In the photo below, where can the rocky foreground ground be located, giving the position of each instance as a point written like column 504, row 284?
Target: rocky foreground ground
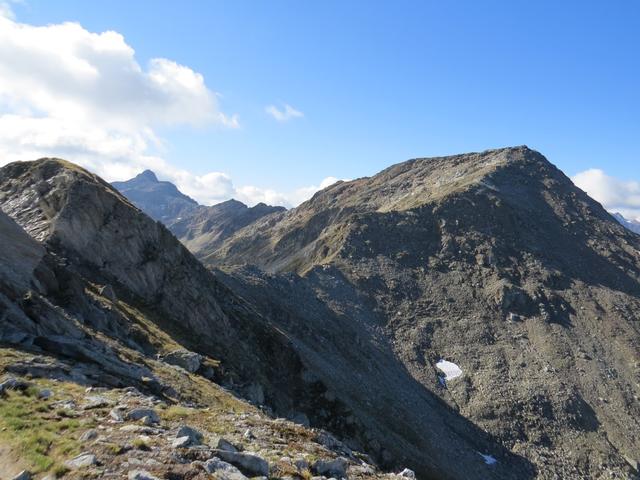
column 54, row 426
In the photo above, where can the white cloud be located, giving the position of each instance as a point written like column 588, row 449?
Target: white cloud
column 82, row 96
column 614, row 194
column 284, row 114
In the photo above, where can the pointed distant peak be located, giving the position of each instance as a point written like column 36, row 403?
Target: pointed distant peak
column 148, row 176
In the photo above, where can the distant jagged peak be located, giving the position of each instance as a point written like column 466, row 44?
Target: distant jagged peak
column 147, row 176
column 632, row 225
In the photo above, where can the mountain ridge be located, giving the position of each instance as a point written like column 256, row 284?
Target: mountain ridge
column 80, row 219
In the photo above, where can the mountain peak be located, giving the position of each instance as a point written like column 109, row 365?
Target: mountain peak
column 148, row 176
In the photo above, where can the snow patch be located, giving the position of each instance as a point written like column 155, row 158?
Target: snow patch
column 450, row 369
column 488, row 459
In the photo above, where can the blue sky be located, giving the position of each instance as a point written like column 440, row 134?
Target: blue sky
column 381, row 82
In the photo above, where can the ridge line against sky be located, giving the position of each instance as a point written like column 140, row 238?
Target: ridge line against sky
column 85, row 95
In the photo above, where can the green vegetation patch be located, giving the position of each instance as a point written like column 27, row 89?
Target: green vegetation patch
column 35, row 433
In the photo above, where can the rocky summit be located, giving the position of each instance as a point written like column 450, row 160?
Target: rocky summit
column 465, row 317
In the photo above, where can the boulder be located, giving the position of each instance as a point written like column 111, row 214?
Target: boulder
column 88, row 436
column 331, row 468
column 190, row 361
column 81, row 461
column 140, row 413
column 223, row 470
column 195, row 437
column 248, row 463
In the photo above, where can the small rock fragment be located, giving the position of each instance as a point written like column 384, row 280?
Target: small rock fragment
column 140, row 413
column 45, row 394
column 81, row 461
column 23, row 475
column 226, row 445
column 88, row 436
column 181, row 442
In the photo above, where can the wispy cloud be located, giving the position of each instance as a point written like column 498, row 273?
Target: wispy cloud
column 614, row 194
column 285, row 114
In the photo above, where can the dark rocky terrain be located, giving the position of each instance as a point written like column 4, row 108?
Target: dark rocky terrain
column 632, row 225
column 201, row 228
column 337, row 314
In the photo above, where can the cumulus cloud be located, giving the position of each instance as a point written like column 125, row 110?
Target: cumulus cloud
column 83, row 96
column 253, row 195
column 284, row 114
column 71, row 93
column 614, row 194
